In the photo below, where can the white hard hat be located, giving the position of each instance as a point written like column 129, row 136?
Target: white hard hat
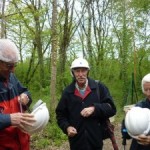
column 79, row 63
column 41, row 115
column 137, row 121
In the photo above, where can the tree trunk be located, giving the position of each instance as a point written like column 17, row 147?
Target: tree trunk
column 54, row 58
column 3, row 31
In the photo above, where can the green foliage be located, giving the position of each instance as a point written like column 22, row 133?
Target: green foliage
column 108, row 72
column 119, row 46
column 51, row 134
column 143, row 5
column 48, row 136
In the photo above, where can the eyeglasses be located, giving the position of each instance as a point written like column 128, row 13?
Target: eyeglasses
column 9, row 65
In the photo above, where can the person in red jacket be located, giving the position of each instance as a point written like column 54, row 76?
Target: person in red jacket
column 80, row 110
column 14, row 101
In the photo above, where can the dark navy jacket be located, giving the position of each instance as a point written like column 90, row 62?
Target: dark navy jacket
column 89, row 129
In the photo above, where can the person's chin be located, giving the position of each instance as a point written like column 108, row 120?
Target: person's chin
column 81, row 80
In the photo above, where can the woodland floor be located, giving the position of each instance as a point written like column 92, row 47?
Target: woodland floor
column 107, row 143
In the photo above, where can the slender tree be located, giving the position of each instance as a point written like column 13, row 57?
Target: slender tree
column 3, row 27
column 54, row 57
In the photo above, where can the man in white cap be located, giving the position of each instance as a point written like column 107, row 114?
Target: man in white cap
column 80, row 110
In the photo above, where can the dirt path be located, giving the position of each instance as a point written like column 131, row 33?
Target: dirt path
column 107, row 143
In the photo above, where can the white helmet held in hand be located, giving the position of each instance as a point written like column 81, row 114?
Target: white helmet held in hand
column 79, row 63
column 137, row 121
column 41, row 115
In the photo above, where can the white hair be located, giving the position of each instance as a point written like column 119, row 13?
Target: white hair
column 145, row 79
column 8, row 51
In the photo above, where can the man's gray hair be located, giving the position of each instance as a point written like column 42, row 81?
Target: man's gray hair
column 145, row 79
column 8, row 51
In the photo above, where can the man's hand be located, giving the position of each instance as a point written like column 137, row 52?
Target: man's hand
column 20, row 120
column 71, row 131
column 23, row 99
column 86, row 112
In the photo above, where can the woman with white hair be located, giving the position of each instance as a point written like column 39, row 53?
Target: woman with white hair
column 146, row 84
column 14, row 100
column 142, row 142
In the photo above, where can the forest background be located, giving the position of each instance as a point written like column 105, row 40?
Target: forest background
column 113, row 35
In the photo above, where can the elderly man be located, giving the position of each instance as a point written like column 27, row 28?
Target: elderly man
column 14, row 100
column 80, row 111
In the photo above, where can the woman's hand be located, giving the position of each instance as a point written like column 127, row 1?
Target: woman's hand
column 143, row 139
